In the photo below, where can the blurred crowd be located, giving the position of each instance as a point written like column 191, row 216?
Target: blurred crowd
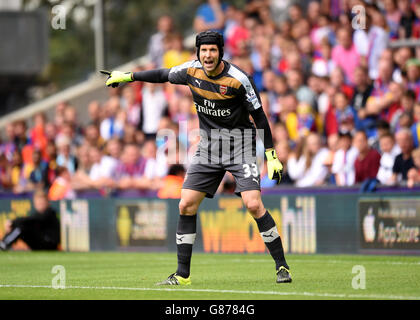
column 342, row 103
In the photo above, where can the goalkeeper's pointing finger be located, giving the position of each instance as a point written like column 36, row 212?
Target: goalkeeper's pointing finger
column 108, row 73
column 116, row 77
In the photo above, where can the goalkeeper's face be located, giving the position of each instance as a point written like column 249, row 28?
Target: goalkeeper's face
column 209, row 57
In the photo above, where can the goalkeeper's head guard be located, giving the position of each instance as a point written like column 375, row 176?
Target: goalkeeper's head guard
column 210, row 37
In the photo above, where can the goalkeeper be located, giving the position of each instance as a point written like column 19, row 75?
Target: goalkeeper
column 224, row 97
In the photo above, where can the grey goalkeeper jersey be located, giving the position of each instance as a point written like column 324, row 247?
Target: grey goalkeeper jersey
column 223, row 105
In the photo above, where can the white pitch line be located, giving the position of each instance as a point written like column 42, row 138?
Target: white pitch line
column 328, row 261
column 292, row 293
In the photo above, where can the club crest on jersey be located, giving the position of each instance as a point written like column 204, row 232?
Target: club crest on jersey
column 223, row 89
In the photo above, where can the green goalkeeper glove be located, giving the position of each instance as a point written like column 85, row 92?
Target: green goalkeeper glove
column 274, row 166
column 116, row 77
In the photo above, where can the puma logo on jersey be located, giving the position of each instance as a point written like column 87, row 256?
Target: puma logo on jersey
column 255, row 180
column 198, row 82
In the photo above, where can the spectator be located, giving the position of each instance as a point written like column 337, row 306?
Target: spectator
column 51, row 152
column 210, row 16
column 59, row 113
column 413, row 76
column 95, row 113
column 401, row 56
column 70, row 119
column 367, row 162
column 239, row 35
column 154, row 106
column 323, row 64
column 172, row 183
column 280, row 133
column 413, row 175
column 416, row 25
column 93, row 137
column 4, row 173
column 385, row 95
column 389, row 152
column 407, row 19
column 288, row 106
column 80, row 180
column 415, row 128
column 156, row 167
column 295, row 82
column 18, row 176
column 337, row 79
column 382, row 127
column 40, row 230
column 131, row 106
column 343, row 161
column 21, row 138
column 38, row 168
column 112, row 126
column 8, row 147
column 301, row 123
column 345, row 114
column 300, row 28
column 406, row 107
column 61, row 187
column 129, row 134
column 332, row 146
column 102, row 168
column 383, row 79
column 345, row 55
column 377, row 42
column 279, row 10
column 37, row 133
column 332, row 8
column 129, row 173
column 391, row 104
column 362, row 90
column 393, row 17
column 155, row 47
column 404, row 161
column 113, row 149
column 64, row 157
column 404, row 121
column 176, row 54
column 307, row 168
column 325, row 97
column 50, row 131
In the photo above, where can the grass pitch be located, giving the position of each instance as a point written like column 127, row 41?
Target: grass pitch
column 112, row 275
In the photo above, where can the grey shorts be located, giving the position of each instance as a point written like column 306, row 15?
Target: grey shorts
column 207, row 177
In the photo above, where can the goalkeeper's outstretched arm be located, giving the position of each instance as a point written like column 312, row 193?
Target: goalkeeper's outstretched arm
column 153, row 76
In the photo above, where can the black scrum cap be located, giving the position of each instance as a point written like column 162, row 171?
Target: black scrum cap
column 210, row 37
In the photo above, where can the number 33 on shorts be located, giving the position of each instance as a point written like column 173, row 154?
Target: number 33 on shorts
column 251, row 170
